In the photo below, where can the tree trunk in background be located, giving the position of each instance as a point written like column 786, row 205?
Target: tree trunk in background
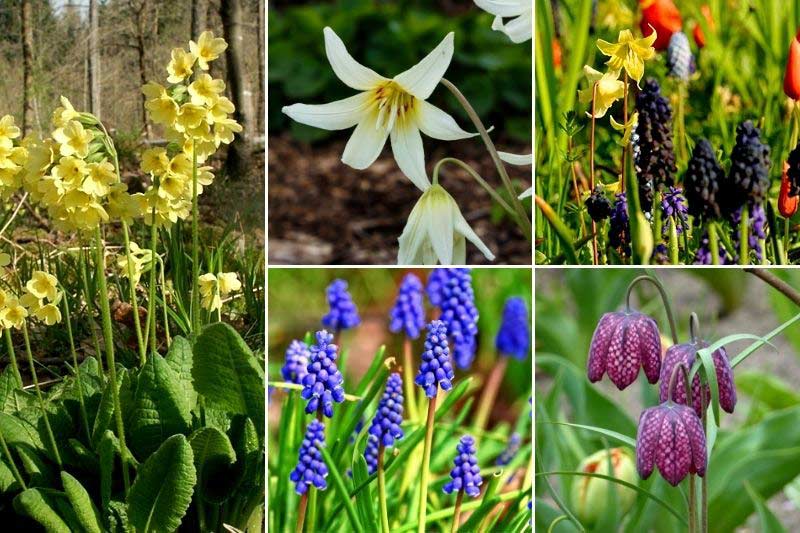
column 94, row 60
column 141, row 16
column 260, row 120
column 199, row 18
column 27, row 67
column 239, row 151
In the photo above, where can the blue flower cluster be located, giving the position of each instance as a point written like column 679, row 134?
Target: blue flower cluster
column 511, row 450
column 408, row 313
column 322, row 386
column 385, row 427
column 451, row 290
column 311, row 469
column 465, row 475
column 435, row 370
column 514, row 336
column 343, row 313
column 294, row 367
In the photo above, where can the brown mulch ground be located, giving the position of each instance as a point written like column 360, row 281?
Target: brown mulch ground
column 323, row 212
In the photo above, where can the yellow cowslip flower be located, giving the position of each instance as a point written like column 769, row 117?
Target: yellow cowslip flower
column 209, row 292
column 228, row 282
column 30, row 302
column 8, row 129
column 141, row 260
column 50, row 190
column 224, row 130
column 43, row 285
column 207, row 48
column 609, row 90
column 173, row 185
column 71, row 171
column 7, row 154
column 626, row 129
column 220, row 109
column 155, row 160
column 100, row 177
column 123, row 206
column 162, row 108
column 50, row 314
column 180, row 164
column 62, row 115
column 13, row 314
column 3, row 298
column 190, row 116
column 73, row 139
column 180, row 66
column 629, row 53
column 204, row 178
column 205, row 90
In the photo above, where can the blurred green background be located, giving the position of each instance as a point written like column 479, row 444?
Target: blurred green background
column 390, row 37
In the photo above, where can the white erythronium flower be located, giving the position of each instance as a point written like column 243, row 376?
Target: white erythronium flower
column 437, row 231
column 519, row 29
column 394, row 108
column 518, row 160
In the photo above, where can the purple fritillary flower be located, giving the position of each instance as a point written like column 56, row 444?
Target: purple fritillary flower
column 408, row 313
column 511, row 450
column 435, row 370
column 294, row 369
column 465, row 475
column 451, row 290
column 686, row 354
column 514, row 336
column 322, row 386
column 623, row 342
column 670, row 437
column 343, row 313
column 385, row 428
column 311, row 469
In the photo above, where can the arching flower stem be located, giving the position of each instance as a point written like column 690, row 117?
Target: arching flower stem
column 664, row 300
column 482, row 182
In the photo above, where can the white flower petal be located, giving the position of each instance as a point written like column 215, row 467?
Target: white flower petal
column 365, row 144
column 505, row 8
column 527, row 194
column 409, row 154
column 459, row 249
column 516, row 159
column 435, row 123
column 421, row 79
column 347, row 69
column 338, row 115
column 413, row 238
column 440, row 226
column 520, row 29
column 463, row 227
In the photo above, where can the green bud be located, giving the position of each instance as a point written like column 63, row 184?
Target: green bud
column 591, row 495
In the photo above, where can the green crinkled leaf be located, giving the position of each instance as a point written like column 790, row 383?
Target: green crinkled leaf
column 17, row 431
column 7, row 481
column 118, row 517
column 81, row 456
column 180, row 358
column 40, row 505
column 162, row 491
column 157, row 408
column 85, row 511
column 227, row 374
column 8, row 384
column 214, row 457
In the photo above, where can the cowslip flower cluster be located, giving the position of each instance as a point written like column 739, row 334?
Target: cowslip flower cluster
column 311, row 469
column 322, row 385
column 385, row 428
column 451, row 290
column 408, row 314
column 466, row 474
column 296, row 362
column 215, row 287
column 39, row 300
column 141, row 261
column 514, row 336
column 13, row 157
column 435, row 370
column 343, row 313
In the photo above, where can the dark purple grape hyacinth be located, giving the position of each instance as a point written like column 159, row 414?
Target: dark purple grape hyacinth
column 619, row 233
column 748, row 179
column 703, row 253
column 655, row 161
column 673, row 204
column 623, row 342
column 295, row 366
column 701, row 182
column 343, row 313
column 686, row 354
column 435, row 370
column 757, row 224
column 322, row 386
column 465, row 475
column 514, row 337
column 451, row 291
column 385, row 427
column 598, row 205
column 408, row 313
column 680, row 61
column 670, row 437
column 511, row 450
column 311, row 469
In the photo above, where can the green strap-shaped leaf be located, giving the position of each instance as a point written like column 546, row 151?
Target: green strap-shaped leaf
column 227, row 373
column 108, row 449
column 162, row 491
column 180, row 359
column 85, row 511
column 213, row 457
column 39, row 506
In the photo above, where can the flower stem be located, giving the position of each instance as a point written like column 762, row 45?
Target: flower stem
column 704, row 481
column 786, row 239
column 408, row 381
column 777, row 283
column 164, row 301
column 382, row 492
column 744, row 237
column 151, row 297
column 68, row 322
column 490, row 392
column 82, row 265
column 713, row 243
column 624, row 121
column 591, row 172
column 12, row 356
column 110, row 363
column 664, row 299
column 426, row 459
column 457, row 512
column 495, row 156
column 134, row 303
column 692, row 505
column 195, row 305
column 11, row 463
column 301, row 512
column 673, row 242
column 477, row 177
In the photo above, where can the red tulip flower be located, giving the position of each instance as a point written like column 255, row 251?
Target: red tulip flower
column 664, row 17
column 699, row 37
column 791, row 80
column 787, row 205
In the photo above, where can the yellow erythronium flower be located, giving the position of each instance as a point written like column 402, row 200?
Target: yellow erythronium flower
column 207, row 48
column 43, row 285
column 73, row 139
column 437, row 231
column 626, row 129
column 386, row 108
column 609, row 90
column 520, row 29
column 180, row 66
column 205, row 90
column 13, row 314
column 629, row 53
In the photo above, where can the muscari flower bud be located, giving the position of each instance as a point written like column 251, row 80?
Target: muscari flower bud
column 343, row 313
column 680, row 60
column 673, row 204
column 511, row 450
column 701, row 182
column 591, row 496
column 623, row 342
column 748, row 178
column 385, row 427
column 619, row 232
column 294, row 369
column 465, row 475
column 435, row 370
column 311, row 468
column 655, row 163
column 670, row 437
column 456, row 299
column 685, row 354
column 514, row 337
column 322, row 385
column 408, row 313
column 598, row 205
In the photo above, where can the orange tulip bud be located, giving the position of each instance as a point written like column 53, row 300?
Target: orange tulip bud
column 664, row 17
column 556, row 53
column 699, row 38
column 787, row 205
column 791, row 80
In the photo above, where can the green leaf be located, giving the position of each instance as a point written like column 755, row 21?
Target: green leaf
column 85, row 511
column 364, row 499
column 105, row 412
column 613, row 434
column 341, row 490
column 108, row 448
column 180, row 359
column 227, row 373
column 158, row 408
column 40, row 505
column 769, row 522
column 162, row 491
column 213, row 457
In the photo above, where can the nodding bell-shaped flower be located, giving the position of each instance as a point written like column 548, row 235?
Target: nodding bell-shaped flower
column 671, row 438
column 791, row 79
column 685, row 354
column 519, row 29
column 395, row 108
column 436, row 231
column 623, row 342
